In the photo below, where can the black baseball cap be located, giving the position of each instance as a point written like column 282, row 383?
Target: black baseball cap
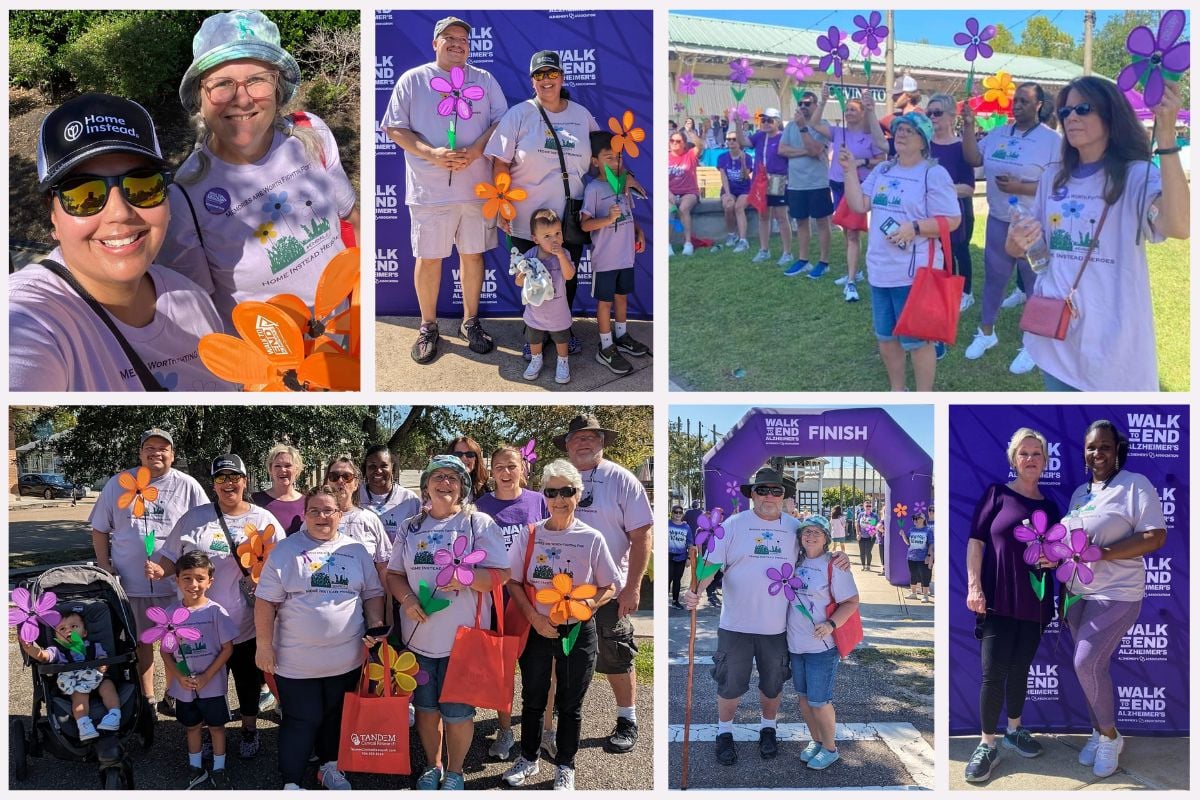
column 543, row 59
column 91, row 125
column 227, row 463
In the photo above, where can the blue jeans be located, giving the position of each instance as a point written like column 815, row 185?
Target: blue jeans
column 1053, row 384
column 425, row 696
column 886, row 305
column 813, row 675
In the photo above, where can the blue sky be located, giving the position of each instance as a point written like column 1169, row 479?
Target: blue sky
column 938, row 27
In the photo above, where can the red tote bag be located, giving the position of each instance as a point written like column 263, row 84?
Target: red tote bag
column 847, row 635
column 935, row 301
column 478, row 673
column 516, row 624
column 757, row 199
column 374, row 736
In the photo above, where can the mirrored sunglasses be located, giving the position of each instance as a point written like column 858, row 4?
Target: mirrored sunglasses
column 86, row 195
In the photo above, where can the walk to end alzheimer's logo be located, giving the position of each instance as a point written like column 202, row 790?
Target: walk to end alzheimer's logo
column 1042, row 683
column 483, row 46
column 1154, row 434
column 387, row 202
column 488, row 293
column 1141, row 703
column 1145, row 641
column 387, row 266
column 1158, row 576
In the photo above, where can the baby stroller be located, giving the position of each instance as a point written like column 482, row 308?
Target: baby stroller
column 99, row 599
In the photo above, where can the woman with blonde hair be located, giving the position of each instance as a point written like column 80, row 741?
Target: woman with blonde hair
column 285, row 468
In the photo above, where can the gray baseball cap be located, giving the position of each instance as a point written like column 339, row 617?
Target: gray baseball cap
column 153, row 432
column 448, row 22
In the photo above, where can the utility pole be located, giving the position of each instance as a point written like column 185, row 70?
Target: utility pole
column 889, row 61
column 1089, row 23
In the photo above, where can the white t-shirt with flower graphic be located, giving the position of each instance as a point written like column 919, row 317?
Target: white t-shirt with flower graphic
column 905, row 194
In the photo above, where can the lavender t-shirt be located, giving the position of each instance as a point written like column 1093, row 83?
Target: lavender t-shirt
column 216, row 629
column 750, row 547
column 514, row 516
column 619, row 505
column 905, row 194
column 367, row 528
column 776, row 164
column 392, row 508
column 1004, row 574
column 612, row 245
column 859, row 143
column 579, row 551
column 815, row 595
column 553, row 314
column 289, row 512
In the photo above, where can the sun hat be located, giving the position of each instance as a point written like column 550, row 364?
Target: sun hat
column 232, row 35
column 919, row 122
column 585, row 422
column 764, row 476
column 451, row 463
column 91, row 125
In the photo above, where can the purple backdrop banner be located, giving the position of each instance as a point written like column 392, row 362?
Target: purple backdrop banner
column 868, row 433
column 1150, row 667
column 607, row 59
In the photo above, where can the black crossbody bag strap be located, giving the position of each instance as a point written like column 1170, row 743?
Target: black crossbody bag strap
column 149, row 382
column 229, row 538
column 562, row 162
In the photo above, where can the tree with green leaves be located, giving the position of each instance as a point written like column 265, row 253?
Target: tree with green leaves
column 841, row 495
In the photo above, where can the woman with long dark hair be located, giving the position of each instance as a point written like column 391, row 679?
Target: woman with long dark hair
column 468, row 451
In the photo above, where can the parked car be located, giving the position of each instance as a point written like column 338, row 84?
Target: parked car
column 49, row 486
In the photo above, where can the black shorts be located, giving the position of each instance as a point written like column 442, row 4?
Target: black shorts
column 805, row 203
column 732, row 663
column 610, row 283
column 210, row 711
column 776, row 200
column 616, row 646
column 535, row 336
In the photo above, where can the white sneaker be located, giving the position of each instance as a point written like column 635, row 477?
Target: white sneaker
column 850, row 293
column 1106, row 755
column 688, row 249
column 564, row 779
column 731, row 239
column 562, row 371
column 503, row 744
column 761, row 256
column 968, row 300
column 842, row 281
column 785, row 260
column 741, row 246
column 521, row 771
column 1087, row 756
column 293, row 787
column 333, row 778
column 412, row 715
column 670, row 249
column 549, row 745
column 1013, row 300
column 981, row 344
column 1022, row 363
column 534, row 369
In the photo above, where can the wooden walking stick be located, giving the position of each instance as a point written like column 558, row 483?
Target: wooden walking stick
column 687, row 708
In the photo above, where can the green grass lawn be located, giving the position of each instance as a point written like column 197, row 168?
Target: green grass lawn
column 737, row 326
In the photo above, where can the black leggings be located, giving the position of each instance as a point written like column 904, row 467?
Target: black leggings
column 574, row 673
column 962, row 250
column 865, row 548
column 675, row 570
column 247, row 677
column 1006, row 650
column 313, row 719
column 576, row 251
column 919, row 573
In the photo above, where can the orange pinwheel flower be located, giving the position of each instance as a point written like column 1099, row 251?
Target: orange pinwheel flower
column 336, row 308
column 499, row 197
column 900, row 510
column 625, row 135
column 564, row 599
column 137, row 490
column 253, row 552
column 1000, row 89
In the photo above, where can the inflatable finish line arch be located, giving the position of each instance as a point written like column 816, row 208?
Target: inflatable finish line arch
column 868, row 433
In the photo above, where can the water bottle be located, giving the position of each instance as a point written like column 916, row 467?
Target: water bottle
column 1038, row 255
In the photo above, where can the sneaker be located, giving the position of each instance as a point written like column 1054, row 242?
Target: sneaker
column 912, row 596
column 823, row 759
column 424, row 350
column 1106, row 755
column 980, row 344
column 688, row 249
column 807, row 753
column 503, row 744
column 768, row 746
column 166, row 706
column 609, row 357
column 1013, row 300
column 842, row 281
column 1087, row 756
column 731, row 239
column 926, row 598
column 430, row 780
column 850, row 293
column 521, row 771
column 714, row 601
column 623, row 737
column 983, row 760
column 562, row 371
column 741, row 246
column 87, row 729
column 628, row 344
column 549, row 744
column 726, row 751
column 820, row 269
column 250, row 745
column 477, row 338
column 564, row 779
column 197, row 778
column 939, row 349
column 762, row 255
column 534, row 369
column 266, row 701
column 111, row 721
column 798, row 268
column 526, row 353
column 968, row 300
column 1022, row 363
column 220, row 779
column 332, row 778
column 1022, row 741
column 293, row 787
column 574, row 346
column 676, row 604
column 670, row 249
column 784, row 260
column 454, row 782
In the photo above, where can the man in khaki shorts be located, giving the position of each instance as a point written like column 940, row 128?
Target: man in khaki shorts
column 440, row 179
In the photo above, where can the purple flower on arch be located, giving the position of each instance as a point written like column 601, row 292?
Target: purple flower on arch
column 1155, row 57
column 709, row 529
column 1040, row 540
column 1079, row 553
column 870, row 33
column 784, row 579
column 835, row 50
column 975, row 40
column 799, row 68
column 920, row 508
column 688, row 84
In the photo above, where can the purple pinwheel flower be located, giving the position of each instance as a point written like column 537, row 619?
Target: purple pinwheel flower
column 679, row 107
column 975, row 40
column 1078, row 552
column 740, row 70
column 784, row 579
column 870, row 33
column 741, row 112
column 528, row 453
column 168, row 630
column 799, row 68
column 28, row 612
column 1154, row 55
column 456, row 95
column 457, row 564
column 835, row 50
column 709, row 530
column 919, row 508
column 1042, row 542
column 688, row 84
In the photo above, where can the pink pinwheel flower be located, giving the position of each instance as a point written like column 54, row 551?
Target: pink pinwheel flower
column 975, row 40
column 457, row 564
column 835, row 51
column 1152, row 55
column 799, row 68
column 527, row 452
column 168, row 630
column 688, row 84
column 1078, row 552
column 740, row 70
column 1040, row 541
column 28, row 611
column 709, row 529
column 870, row 33
column 741, row 112
column 733, row 488
column 456, row 95
column 784, row 579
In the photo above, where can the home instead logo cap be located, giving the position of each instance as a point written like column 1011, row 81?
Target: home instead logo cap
column 90, row 125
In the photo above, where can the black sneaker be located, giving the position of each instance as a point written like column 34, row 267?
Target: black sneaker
column 767, row 746
column 676, row 604
column 1023, row 742
column 477, row 338
column 574, row 346
column 220, row 779
column 983, row 760
column 250, row 744
column 627, row 344
column 166, row 706
column 609, row 357
column 623, row 737
column 197, row 778
column 424, row 349
column 726, row 752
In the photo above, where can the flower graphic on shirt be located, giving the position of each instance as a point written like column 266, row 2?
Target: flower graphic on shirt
column 554, row 553
column 265, row 233
column 435, row 539
column 1055, row 219
column 768, row 536
column 541, row 558
column 1072, row 208
column 422, row 546
column 277, row 206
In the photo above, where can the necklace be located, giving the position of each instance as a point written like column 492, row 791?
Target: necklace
column 1012, row 132
column 378, row 505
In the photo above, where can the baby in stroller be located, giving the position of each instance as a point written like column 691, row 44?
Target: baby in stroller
column 72, row 645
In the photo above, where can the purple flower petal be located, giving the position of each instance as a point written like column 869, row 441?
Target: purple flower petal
column 1177, row 59
column 876, row 18
column 45, row 603
column 444, row 576
column 1057, row 533
column 188, row 632
column 989, row 32
column 986, row 50
column 1154, row 88
column 973, row 26
column 457, row 76
column 460, row 546
column 961, row 39
column 440, row 84
column 1065, row 571
column 463, row 109
column 475, row 92
column 1032, row 553
column 1170, row 28
column 775, row 588
column 474, row 557
column 1091, row 554
column 465, row 576
column 1056, row 551
column 1140, row 41
column 157, row 615
column 1084, row 573
column 1128, row 77
column 169, row 643
column 789, row 592
column 16, row 616
column 22, row 600
column 180, row 616
column 446, row 106
column 1024, row 533
column 774, row 574
column 29, row 631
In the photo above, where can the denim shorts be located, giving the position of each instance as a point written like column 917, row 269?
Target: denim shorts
column 813, row 675
column 886, row 305
column 425, row 696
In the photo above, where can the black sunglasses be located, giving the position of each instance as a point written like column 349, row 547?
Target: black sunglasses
column 935, row 113
column 1083, row 109
column 566, row 491
column 86, row 195
column 774, row 491
column 464, row 454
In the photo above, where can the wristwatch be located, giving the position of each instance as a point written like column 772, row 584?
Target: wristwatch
column 832, row 624
column 916, row 228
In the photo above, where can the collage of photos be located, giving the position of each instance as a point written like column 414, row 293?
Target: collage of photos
column 896, row 300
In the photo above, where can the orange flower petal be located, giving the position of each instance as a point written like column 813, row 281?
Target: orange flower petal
column 631, row 148
column 508, row 210
column 139, row 506
column 485, row 191
column 126, row 480
column 559, row 613
column 627, row 120
column 337, row 281
column 271, row 331
column 232, row 359
column 584, row 591
column 503, row 181
column 579, row 610
column 333, row 371
column 563, row 583
column 491, row 207
column 548, row 596
column 150, row 493
column 614, row 126
column 516, row 194
column 637, row 134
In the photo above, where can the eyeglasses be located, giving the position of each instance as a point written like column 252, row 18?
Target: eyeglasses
column 85, row 195
column 812, row 532
column 731, row 139
column 443, row 478
column 774, row 491
column 323, row 513
column 547, row 75
column 340, row 477
column 464, row 454
column 934, row 113
column 259, row 87
column 1083, row 109
column 676, row 139
column 226, row 477
column 566, row 491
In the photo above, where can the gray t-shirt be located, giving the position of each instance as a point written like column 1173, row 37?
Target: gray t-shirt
column 750, row 547
column 1026, row 156
column 579, row 551
column 815, row 595
column 806, row 172
column 612, row 245
column 366, row 527
column 619, row 505
column 392, row 508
